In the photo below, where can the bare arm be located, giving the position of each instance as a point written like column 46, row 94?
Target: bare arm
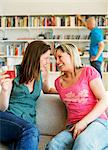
column 45, row 76
column 6, row 87
column 100, row 50
column 45, row 87
column 97, row 88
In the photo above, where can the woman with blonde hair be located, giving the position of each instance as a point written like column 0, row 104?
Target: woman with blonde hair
column 79, row 88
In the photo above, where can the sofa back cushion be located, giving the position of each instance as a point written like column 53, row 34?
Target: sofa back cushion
column 51, row 114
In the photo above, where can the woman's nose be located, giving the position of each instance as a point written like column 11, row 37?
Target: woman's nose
column 57, row 61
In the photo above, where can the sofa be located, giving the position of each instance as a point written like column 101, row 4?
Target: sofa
column 51, row 118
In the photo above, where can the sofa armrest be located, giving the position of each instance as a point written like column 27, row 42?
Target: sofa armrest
column 51, row 114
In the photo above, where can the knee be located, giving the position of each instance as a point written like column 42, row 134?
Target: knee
column 61, row 141
column 34, row 130
column 80, row 142
column 31, row 130
column 52, row 145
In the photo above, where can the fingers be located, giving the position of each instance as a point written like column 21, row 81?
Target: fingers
column 4, row 75
column 4, row 80
column 71, row 129
column 76, row 133
column 6, row 84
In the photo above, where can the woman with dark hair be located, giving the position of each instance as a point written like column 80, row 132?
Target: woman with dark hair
column 18, row 98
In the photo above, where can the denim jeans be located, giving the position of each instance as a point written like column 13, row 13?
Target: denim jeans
column 97, row 66
column 18, row 133
column 94, row 137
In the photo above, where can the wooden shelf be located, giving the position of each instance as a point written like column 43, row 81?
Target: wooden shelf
column 56, row 29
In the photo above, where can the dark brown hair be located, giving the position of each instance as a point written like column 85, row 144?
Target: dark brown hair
column 30, row 66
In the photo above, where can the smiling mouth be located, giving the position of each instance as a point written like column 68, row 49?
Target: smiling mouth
column 60, row 65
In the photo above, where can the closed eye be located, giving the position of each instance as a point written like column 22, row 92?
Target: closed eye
column 55, row 58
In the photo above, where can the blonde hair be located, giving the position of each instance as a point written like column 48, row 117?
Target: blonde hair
column 72, row 50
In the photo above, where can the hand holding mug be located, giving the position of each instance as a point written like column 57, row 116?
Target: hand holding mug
column 10, row 70
column 11, row 73
column 7, row 74
column 5, row 81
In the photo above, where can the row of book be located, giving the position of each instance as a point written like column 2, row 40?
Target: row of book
column 51, row 35
column 15, row 49
column 18, row 49
column 52, row 66
column 39, row 21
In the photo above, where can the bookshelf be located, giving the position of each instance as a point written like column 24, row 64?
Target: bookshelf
column 17, row 31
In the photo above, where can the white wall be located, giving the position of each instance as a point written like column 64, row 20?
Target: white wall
column 33, row 7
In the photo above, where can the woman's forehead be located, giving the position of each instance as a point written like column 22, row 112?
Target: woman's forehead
column 47, row 53
column 58, row 51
